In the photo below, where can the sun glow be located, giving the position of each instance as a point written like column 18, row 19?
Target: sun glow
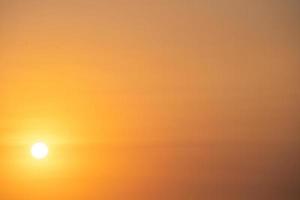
column 39, row 150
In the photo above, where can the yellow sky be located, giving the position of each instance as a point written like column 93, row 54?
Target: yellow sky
column 147, row 99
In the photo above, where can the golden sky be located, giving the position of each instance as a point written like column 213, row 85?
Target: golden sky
column 150, row 99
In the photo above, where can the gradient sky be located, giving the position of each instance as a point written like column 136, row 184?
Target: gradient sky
column 150, row 99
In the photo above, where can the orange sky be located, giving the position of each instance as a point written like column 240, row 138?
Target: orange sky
column 150, row 99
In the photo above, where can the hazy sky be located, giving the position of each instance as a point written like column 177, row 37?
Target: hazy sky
column 150, row 99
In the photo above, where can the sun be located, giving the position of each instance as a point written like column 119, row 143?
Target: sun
column 39, row 150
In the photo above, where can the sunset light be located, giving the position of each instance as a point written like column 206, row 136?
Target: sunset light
column 39, row 150
column 149, row 99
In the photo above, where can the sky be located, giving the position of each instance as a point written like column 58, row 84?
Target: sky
column 150, row 99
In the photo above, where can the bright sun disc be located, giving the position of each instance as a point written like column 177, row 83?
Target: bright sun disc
column 39, row 150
